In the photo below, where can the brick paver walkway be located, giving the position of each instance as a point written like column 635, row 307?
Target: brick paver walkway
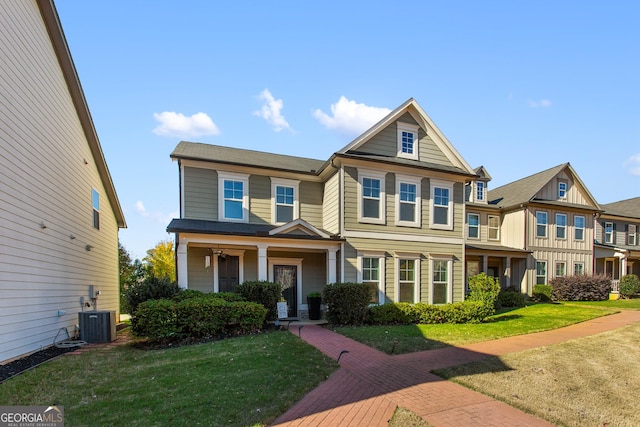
column 370, row 384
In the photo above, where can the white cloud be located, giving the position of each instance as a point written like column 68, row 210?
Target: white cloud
column 633, row 164
column 349, row 117
column 271, row 111
column 178, row 125
column 543, row 103
column 158, row 217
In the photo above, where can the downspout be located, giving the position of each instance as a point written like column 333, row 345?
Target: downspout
column 526, row 233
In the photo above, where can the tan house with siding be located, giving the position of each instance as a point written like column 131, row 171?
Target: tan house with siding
column 617, row 250
column 533, row 229
column 59, row 212
column 387, row 209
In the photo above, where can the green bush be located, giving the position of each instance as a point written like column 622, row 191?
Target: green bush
column 464, row 312
column 542, row 293
column 629, row 285
column 151, row 288
column 485, row 289
column 156, row 319
column 347, row 303
column 245, row 317
column 510, row 297
column 399, row 313
column 184, row 294
column 581, row 288
column 262, row 292
column 202, row 316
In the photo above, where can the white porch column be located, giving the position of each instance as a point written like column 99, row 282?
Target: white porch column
column 623, row 266
column 183, row 273
column 507, row 272
column 263, row 272
column 485, row 264
column 332, row 267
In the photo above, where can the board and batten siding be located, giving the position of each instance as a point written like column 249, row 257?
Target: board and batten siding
column 574, row 194
column 200, row 193
column 331, row 205
column 47, row 176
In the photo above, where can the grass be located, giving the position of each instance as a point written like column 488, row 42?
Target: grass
column 525, row 320
column 587, row 381
column 237, row 382
column 626, row 304
column 405, row 418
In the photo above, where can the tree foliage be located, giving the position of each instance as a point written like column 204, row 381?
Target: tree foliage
column 161, row 261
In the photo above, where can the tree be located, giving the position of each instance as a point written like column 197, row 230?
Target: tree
column 161, row 261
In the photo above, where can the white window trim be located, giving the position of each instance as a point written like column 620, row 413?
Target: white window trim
column 95, row 210
column 546, row 272
column 222, row 176
column 584, row 223
column 416, row 282
column 489, row 227
column 566, row 190
column 565, row 226
column 604, row 232
column 484, row 191
column 565, row 268
column 368, row 173
column 576, row 264
column 546, row 225
column 407, row 127
column 441, row 184
column 381, row 273
column 281, row 182
column 469, row 214
column 408, row 179
column 634, row 241
column 449, row 261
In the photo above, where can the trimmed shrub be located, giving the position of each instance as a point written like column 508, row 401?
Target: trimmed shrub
column 347, row 303
column 510, row 297
column 464, row 312
column 245, row 317
column 629, row 285
column 184, row 294
column 485, row 289
column 202, row 316
column 399, row 313
column 581, row 288
column 262, row 292
column 156, row 319
column 542, row 293
column 151, row 288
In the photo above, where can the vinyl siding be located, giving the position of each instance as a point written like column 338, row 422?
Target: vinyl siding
column 331, row 205
column 200, row 193
column 44, row 179
column 259, row 199
column 200, row 277
column 311, row 202
column 551, row 242
column 574, row 192
column 512, row 229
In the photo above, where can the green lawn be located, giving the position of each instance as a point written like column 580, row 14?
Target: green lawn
column 236, row 382
column 626, row 304
column 533, row 318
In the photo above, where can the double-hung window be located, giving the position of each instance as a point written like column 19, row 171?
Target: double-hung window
column 578, row 227
column 371, row 272
column 541, row 224
column 541, row 272
column 95, row 203
column 284, row 196
column 408, row 140
column 494, row 227
column 233, row 197
column 632, row 239
column 561, row 269
column 578, row 268
column 408, row 203
column 562, row 190
column 608, row 232
column 480, row 191
column 441, row 212
column 561, row 226
column 408, row 273
column 371, row 206
column 440, row 280
column 473, row 226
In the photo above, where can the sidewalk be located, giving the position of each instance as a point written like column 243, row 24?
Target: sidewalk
column 370, row 384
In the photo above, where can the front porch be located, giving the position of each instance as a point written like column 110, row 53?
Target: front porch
column 616, row 262
column 507, row 265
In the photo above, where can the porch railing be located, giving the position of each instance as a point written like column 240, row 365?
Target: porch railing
column 615, row 286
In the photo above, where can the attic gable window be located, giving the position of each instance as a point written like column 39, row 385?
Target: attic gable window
column 480, row 191
column 233, row 197
column 562, row 190
column 284, row 200
column 407, row 140
column 371, row 195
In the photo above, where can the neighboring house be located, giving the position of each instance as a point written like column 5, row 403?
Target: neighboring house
column 387, row 209
column 59, row 213
column 617, row 250
column 531, row 230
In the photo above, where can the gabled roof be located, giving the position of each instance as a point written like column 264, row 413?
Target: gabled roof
column 482, row 173
column 412, row 107
column 299, row 225
column 59, row 43
column 525, row 190
column 238, row 156
column 629, row 208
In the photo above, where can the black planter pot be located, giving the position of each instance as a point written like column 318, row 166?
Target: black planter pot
column 314, row 307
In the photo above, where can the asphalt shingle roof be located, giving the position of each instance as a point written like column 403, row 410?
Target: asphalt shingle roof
column 522, row 190
column 628, row 208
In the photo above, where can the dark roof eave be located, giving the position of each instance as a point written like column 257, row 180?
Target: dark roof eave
column 199, row 159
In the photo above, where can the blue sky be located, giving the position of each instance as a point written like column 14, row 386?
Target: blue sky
column 517, row 87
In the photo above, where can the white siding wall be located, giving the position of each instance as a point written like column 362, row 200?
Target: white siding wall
column 44, row 179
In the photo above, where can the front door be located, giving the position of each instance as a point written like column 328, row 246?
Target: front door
column 287, row 277
column 228, row 273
